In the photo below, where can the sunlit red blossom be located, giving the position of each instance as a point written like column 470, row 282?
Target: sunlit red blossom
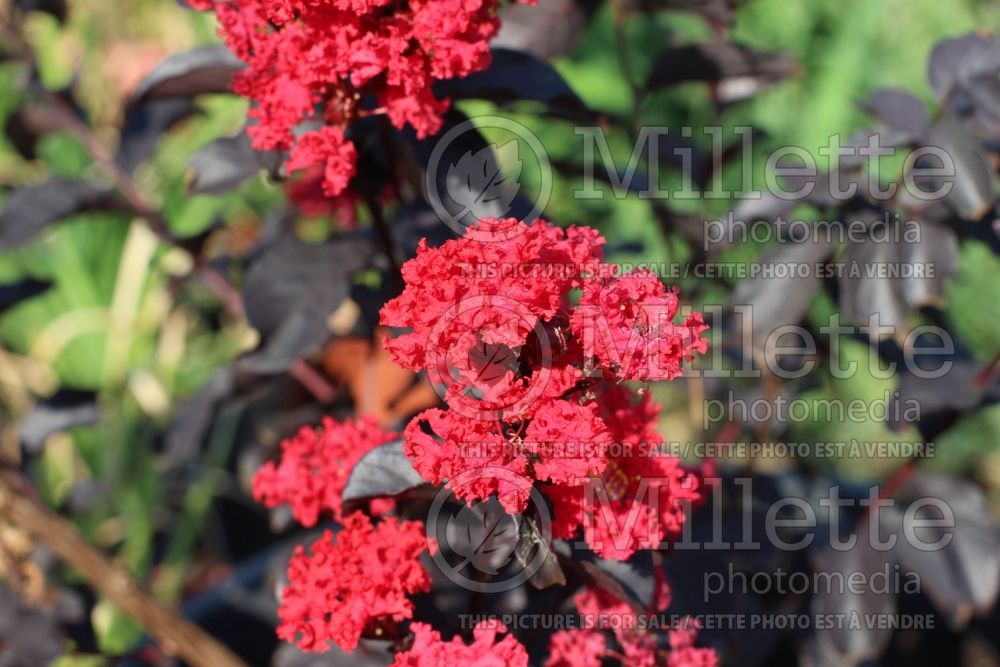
column 471, row 455
column 683, row 652
column 602, row 611
column 640, row 499
column 567, row 442
column 315, row 465
column 316, row 60
column 429, row 650
column 576, row 648
column 468, row 287
column 329, row 148
column 626, row 322
column 495, row 323
column 564, row 443
column 637, row 503
column 341, row 587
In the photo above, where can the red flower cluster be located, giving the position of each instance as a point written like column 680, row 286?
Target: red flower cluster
column 639, row 500
column 320, row 61
column 533, row 396
column 342, row 588
column 586, row 647
column 626, row 322
column 314, row 468
column 576, row 648
column 429, row 650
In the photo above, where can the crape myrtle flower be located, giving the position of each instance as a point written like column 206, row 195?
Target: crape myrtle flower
column 326, row 63
column 626, row 323
column 601, row 611
column 576, row 648
column 534, row 378
column 429, row 650
column 639, row 499
column 343, row 586
column 315, row 466
column 532, row 393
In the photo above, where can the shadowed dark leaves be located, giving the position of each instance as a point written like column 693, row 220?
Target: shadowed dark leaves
column 963, row 73
column 900, row 110
column 28, row 211
column 970, row 189
column 958, row 562
column 57, row 8
column 190, row 424
column 784, row 297
column 225, row 164
column 207, row 69
column 835, row 646
column 532, row 548
column 384, row 471
column 12, row 294
column 515, row 76
column 894, row 278
column 946, row 386
column 290, row 292
column 484, row 535
column 145, row 124
column 597, row 575
column 64, row 410
column 739, row 71
column 547, row 29
column 478, row 185
column 454, row 186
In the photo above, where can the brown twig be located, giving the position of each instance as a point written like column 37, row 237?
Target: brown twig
column 175, row 635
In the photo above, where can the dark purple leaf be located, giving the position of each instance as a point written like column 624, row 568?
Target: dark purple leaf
column 901, row 111
column 290, row 292
column 532, row 545
column 484, row 535
column 971, row 195
column 12, row 294
column 223, row 165
column 783, row 298
column 964, row 73
column 384, row 471
column 64, row 410
column 192, row 421
column 936, row 252
column 739, row 70
column 547, row 29
column 28, row 211
column 206, row 69
column 863, row 293
column 56, row 8
column 145, row 124
column 962, row 578
column 833, row 646
column 942, row 400
column 515, row 76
